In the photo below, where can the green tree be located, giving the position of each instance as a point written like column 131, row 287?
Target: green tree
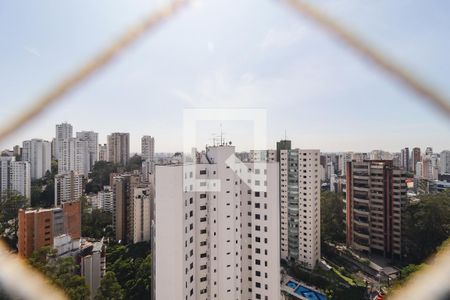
column 332, row 217
column 100, row 176
column 132, row 271
column 95, row 224
column 61, row 272
column 9, row 209
column 43, row 189
column 427, row 225
column 110, row 288
column 134, row 163
column 139, row 286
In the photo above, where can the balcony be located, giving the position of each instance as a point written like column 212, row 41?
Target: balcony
column 361, row 234
column 360, row 222
column 360, row 245
column 361, row 200
column 361, row 211
column 361, row 187
column 360, row 176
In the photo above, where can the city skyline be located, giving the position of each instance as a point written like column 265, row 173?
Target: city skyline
column 279, row 62
column 213, row 136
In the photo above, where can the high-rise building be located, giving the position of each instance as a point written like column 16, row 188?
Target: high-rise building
column 15, row 177
column 415, row 158
column 142, row 214
column 405, row 159
column 428, row 151
column 92, row 260
column 74, row 156
column 123, row 187
column 103, row 152
column 39, row 227
column 68, row 187
column 343, row 159
column 397, row 159
column 53, row 143
column 147, row 169
column 148, row 148
column 63, row 131
column 72, row 218
column 445, row 162
column 119, row 148
column 380, row 155
column 300, row 206
column 375, row 201
column 419, row 170
column 38, row 153
column 17, row 151
column 92, row 139
column 216, row 232
column 104, row 199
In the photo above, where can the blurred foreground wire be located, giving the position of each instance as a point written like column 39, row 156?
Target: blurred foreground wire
column 87, row 70
column 21, row 281
column 431, row 282
column 356, row 43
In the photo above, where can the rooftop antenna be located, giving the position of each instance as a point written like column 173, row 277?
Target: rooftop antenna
column 214, row 138
column 221, row 135
column 285, row 135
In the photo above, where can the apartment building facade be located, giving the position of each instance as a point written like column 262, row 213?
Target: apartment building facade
column 74, row 156
column 39, row 227
column 300, row 206
column 142, row 198
column 63, row 131
column 125, row 187
column 15, row 177
column 91, row 138
column 39, row 154
column 119, row 148
column 148, row 148
column 68, row 187
column 216, row 229
column 375, row 201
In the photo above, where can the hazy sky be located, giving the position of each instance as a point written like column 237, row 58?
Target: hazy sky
column 229, row 54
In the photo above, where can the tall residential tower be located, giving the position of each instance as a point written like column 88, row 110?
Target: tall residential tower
column 216, row 233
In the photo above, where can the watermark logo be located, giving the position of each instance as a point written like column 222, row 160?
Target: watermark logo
column 202, row 167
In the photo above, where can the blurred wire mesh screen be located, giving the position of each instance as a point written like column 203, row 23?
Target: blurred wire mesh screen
column 431, row 282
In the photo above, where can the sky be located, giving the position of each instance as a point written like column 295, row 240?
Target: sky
column 222, row 54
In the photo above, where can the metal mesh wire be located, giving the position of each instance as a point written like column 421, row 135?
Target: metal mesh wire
column 430, row 283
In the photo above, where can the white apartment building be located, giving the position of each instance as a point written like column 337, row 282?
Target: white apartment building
column 216, row 229
column 74, row 156
column 65, row 246
column 63, row 131
column 91, row 138
column 445, row 162
column 92, row 259
column 15, row 177
column 148, row 148
column 104, row 199
column 38, row 153
column 300, row 206
column 344, row 157
column 68, row 187
column 419, row 170
column 103, row 152
column 147, row 169
column 142, row 214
